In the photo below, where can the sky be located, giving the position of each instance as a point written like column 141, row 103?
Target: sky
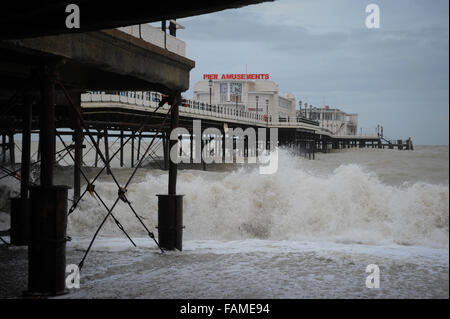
column 322, row 52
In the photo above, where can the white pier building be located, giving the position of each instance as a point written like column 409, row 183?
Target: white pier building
column 260, row 96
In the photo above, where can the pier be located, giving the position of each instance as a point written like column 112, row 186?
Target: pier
column 48, row 81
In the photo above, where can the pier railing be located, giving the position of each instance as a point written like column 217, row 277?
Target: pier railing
column 146, row 100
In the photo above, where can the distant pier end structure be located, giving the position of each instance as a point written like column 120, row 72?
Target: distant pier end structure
column 44, row 68
column 332, row 119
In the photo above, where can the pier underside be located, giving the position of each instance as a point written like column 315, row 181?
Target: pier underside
column 99, row 60
column 41, row 81
column 22, row 19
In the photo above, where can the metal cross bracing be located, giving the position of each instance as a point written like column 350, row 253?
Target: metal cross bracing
column 94, row 193
column 121, row 194
column 15, row 173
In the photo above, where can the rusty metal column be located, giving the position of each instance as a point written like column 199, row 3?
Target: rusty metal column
column 246, row 147
column 39, row 150
column 47, row 126
column 4, row 147
column 191, row 146
column 48, row 205
column 11, row 147
column 180, row 140
column 132, row 148
column 203, row 146
column 400, row 144
column 78, row 139
column 26, row 148
column 20, row 208
column 121, row 148
column 170, row 207
column 172, row 166
column 96, row 151
column 166, row 151
column 139, row 146
column 223, row 145
column 108, row 166
column 47, row 248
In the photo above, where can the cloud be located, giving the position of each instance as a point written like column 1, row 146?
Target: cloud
column 321, row 50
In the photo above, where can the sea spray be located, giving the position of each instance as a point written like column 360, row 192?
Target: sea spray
column 349, row 205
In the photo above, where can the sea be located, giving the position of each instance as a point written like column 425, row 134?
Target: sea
column 313, row 229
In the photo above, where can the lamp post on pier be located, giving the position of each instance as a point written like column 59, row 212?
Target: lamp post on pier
column 300, row 108
column 257, row 99
column 210, row 83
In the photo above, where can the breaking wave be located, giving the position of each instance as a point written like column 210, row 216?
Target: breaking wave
column 350, row 205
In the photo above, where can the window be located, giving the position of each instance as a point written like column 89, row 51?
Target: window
column 283, row 103
column 155, row 97
column 224, row 92
column 236, row 92
column 231, row 92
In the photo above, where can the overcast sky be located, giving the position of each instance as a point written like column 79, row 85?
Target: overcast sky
column 322, row 52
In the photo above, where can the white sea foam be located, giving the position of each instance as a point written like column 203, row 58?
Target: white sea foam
column 348, row 205
column 304, row 200
column 308, row 231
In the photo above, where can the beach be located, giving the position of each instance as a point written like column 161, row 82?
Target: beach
column 307, row 231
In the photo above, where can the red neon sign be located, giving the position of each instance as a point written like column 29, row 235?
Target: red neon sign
column 236, row 76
